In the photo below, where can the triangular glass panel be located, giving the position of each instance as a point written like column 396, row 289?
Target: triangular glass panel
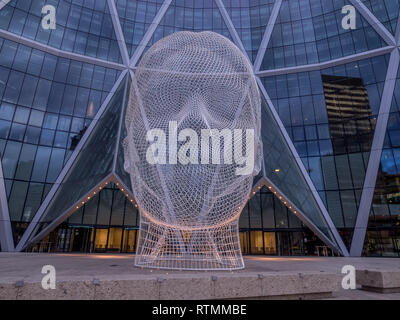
column 83, row 27
column 310, row 31
column 136, row 16
column 94, row 162
column 387, row 12
column 119, row 170
column 283, row 171
column 196, row 16
column 281, row 216
column 250, row 20
column 330, row 116
column 266, row 212
column 383, row 233
column 109, row 207
column 120, row 159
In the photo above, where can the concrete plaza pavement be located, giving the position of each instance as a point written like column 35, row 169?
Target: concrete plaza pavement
column 27, row 267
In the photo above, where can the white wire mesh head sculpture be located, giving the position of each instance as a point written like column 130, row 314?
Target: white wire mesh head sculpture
column 194, row 111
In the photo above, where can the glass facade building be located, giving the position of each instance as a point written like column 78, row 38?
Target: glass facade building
column 330, row 182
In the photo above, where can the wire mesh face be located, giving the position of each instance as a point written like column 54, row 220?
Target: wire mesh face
column 195, row 98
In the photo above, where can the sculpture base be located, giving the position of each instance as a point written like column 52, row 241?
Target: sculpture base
column 163, row 247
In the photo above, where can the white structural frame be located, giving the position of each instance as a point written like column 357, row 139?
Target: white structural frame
column 375, row 157
column 128, row 66
column 374, row 22
column 3, row 3
column 374, row 162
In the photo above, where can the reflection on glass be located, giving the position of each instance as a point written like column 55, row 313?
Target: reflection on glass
column 244, row 242
column 350, row 117
column 270, row 243
column 114, row 239
column 256, row 242
column 100, row 244
column 129, row 242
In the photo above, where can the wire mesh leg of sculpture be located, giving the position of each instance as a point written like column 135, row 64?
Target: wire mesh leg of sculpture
column 215, row 248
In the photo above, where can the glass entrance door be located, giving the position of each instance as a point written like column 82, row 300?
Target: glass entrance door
column 129, row 241
column 81, row 239
column 284, row 243
column 114, row 240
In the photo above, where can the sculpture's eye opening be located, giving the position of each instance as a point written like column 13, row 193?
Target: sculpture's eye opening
column 192, row 150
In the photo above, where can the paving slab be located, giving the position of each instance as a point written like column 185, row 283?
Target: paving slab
column 114, row 276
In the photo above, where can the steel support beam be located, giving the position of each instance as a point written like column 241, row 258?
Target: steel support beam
column 6, row 236
column 3, row 3
column 231, row 28
column 374, row 162
column 327, row 64
column 293, row 209
column 149, row 33
column 120, row 125
column 374, row 22
column 267, row 35
column 118, row 32
column 59, row 53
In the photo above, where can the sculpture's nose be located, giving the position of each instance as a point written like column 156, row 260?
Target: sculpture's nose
column 195, row 115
